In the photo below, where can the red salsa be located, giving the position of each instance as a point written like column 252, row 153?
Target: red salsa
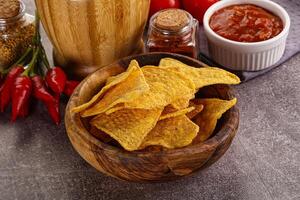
column 245, row 23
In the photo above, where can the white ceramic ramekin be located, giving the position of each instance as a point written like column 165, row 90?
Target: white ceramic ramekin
column 247, row 56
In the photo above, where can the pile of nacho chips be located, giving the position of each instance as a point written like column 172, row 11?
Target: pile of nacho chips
column 156, row 105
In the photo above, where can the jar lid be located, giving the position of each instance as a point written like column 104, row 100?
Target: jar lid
column 172, row 19
column 9, row 8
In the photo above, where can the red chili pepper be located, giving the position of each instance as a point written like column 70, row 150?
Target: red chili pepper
column 8, row 85
column 1, row 79
column 52, row 103
column 70, row 87
column 25, row 109
column 20, row 96
column 56, row 80
column 1, row 84
column 40, row 90
column 53, row 110
column 1, row 88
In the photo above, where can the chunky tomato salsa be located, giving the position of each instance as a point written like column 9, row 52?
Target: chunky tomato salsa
column 245, row 23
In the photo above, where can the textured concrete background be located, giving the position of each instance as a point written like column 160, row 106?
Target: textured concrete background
column 38, row 162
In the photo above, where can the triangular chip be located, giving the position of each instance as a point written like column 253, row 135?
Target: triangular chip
column 128, row 126
column 126, row 91
column 169, row 112
column 208, row 118
column 165, row 87
column 167, row 62
column 109, row 84
column 196, row 111
column 203, row 76
column 182, row 102
column 115, row 108
column 172, row 133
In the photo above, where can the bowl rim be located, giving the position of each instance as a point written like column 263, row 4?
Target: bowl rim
column 222, row 4
column 230, row 124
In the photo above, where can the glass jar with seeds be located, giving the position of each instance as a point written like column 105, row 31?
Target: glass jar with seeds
column 16, row 31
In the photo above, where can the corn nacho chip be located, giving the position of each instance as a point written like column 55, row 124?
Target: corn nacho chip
column 115, row 108
column 114, row 81
column 128, row 90
column 165, row 86
column 168, row 62
column 172, row 133
column 169, row 113
column 200, row 76
column 207, row 119
column 196, row 111
column 182, row 102
column 128, row 126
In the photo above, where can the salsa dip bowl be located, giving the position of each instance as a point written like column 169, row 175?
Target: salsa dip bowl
column 247, row 56
column 155, row 164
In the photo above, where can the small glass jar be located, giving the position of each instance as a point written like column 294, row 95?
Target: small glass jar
column 16, row 31
column 175, row 31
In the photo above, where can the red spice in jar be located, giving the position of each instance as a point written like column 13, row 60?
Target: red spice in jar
column 245, row 23
column 175, row 31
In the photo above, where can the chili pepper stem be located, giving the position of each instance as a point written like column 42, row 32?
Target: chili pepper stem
column 21, row 60
column 44, row 58
column 31, row 64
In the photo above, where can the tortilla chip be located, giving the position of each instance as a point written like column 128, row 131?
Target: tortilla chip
column 203, row 76
column 172, row 133
column 128, row 90
column 182, row 102
column 165, row 87
column 169, row 113
column 168, row 62
column 128, row 126
column 114, row 81
column 208, row 118
column 115, row 108
column 196, row 111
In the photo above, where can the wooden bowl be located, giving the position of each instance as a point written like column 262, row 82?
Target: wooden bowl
column 148, row 165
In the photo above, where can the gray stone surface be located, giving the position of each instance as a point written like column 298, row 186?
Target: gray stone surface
column 37, row 160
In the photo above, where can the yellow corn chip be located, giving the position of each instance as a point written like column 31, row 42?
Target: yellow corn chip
column 196, row 111
column 165, row 86
column 200, row 76
column 179, row 104
column 172, row 133
column 208, row 118
column 128, row 126
column 174, row 113
column 126, row 91
column 115, row 108
column 182, row 102
column 114, row 81
column 169, row 62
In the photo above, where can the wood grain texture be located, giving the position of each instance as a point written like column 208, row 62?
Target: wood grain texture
column 148, row 165
column 88, row 34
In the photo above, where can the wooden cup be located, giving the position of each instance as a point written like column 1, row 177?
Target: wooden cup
column 89, row 34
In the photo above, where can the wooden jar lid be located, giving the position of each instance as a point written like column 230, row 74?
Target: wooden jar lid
column 9, row 8
column 172, row 19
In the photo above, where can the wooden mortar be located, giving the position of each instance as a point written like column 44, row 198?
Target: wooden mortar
column 89, row 34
